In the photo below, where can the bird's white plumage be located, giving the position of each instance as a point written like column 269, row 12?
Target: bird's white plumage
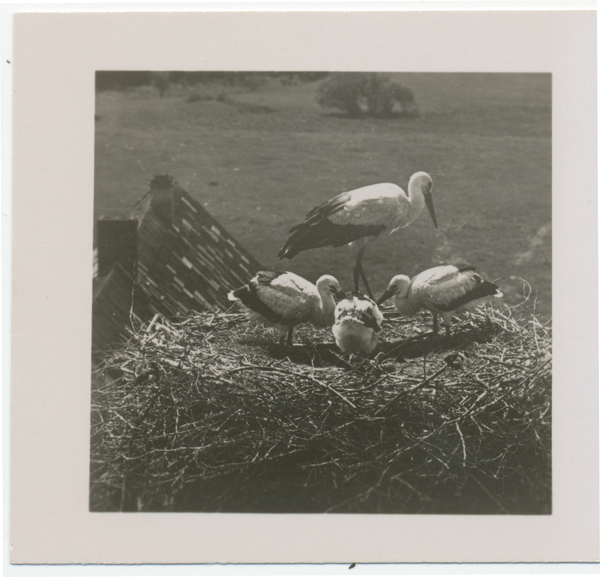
column 357, row 325
column 444, row 290
column 359, row 216
column 443, row 284
column 374, row 204
column 290, row 296
column 287, row 300
column 384, row 204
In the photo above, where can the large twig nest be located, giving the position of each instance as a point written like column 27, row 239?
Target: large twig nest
column 210, row 415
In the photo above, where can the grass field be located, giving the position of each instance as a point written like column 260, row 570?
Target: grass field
column 260, row 160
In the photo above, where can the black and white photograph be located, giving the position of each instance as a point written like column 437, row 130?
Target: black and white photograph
column 302, row 289
column 322, row 292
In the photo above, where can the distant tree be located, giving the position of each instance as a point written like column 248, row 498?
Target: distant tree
column 369, row 94
column 405, row 97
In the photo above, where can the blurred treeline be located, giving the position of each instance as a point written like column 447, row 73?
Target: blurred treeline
column 123, row 79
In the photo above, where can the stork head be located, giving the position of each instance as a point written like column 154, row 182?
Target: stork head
column 329, row 284
column 422, row 182
column 398, row 287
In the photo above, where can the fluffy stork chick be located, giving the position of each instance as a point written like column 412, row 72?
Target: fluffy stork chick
column 357, row 325
column 359, row 216
column 443, row 290
column 284, row 300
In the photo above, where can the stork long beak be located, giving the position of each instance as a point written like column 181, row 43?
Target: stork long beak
column 385, row 296
column 429, row 203
column 340, row 294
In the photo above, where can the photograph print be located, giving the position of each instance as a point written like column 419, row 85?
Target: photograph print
column 322, row 292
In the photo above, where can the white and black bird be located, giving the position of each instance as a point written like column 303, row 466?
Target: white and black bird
column 443, row 290
column 357, row 325
column 359, row 216
column 284, row 300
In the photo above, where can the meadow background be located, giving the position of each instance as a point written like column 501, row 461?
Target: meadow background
column 259, row 155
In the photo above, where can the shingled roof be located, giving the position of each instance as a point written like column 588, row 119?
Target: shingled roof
column 182, row 259
column 185, row 259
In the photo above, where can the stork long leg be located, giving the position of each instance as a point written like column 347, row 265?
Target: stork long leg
column 359, row 272
column 289, row 337
column 435, row 324
column 356, row 273
column 364, row 278
column 447, row 320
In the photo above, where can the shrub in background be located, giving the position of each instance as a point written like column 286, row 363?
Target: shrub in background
column 370, row 94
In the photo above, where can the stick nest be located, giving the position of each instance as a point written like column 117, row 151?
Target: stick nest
column 209, row 414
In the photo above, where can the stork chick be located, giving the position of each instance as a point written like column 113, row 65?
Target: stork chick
column 357, row 325
column 442, row 290
column 360, row 216
column 285, row 300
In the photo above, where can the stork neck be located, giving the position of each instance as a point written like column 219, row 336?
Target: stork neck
column 327, row 312
column 416, row 200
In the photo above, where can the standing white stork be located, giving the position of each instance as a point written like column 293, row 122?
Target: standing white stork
column 286, row 300
column 357, row 325
column 443, row 290
column 360, row 216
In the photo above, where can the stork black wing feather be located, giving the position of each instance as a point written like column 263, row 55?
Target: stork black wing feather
column 483, row 289
column 248, row 295
column 369, row 320
column 329, row 207
column 325, row 233
column 317, row 230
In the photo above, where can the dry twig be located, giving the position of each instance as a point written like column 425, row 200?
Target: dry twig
column 205, row 415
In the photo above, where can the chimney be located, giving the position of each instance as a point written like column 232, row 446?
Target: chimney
column 117, row 242
column 161, row 188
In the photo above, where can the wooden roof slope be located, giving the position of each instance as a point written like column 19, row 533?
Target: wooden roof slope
column 185, row 259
